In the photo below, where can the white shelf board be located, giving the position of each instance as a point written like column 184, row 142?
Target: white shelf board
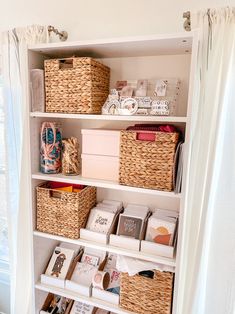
column 109, row 248
column 76, row 297
column 169, row 119
column 180, row 43
column 100, row 184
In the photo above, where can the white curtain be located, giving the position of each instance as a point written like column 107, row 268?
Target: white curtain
column 15, row 63
column 207, row 264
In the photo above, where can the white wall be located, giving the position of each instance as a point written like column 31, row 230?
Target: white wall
column 85, row 19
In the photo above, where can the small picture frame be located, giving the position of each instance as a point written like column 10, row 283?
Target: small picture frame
column 141, row 90
column 129, row 105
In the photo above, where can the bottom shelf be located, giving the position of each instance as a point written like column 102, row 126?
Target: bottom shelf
column 76, row 297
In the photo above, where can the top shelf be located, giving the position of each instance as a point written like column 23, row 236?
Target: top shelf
column 153, row 45
column 168, row 119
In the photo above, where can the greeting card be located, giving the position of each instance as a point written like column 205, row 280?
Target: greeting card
column 100, row 220
column 60, row 262
column 129, row 226
column 161, row 230
column 82, row 308
column 90, row 259
column 83, row 273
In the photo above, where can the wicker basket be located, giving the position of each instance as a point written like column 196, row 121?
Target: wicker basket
column 76, row 85
column 63, row 213
column 143, row 295
column 147, row 164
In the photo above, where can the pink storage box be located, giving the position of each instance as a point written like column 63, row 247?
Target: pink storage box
column 100, row 142
column 100, row 167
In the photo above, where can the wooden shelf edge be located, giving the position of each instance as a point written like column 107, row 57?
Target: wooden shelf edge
column 100, row 184
column 109, row 248
column 76, row 297
column 170, row 119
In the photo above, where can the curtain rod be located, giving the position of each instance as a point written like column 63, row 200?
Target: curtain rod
column 63, row 35
column 187, row 22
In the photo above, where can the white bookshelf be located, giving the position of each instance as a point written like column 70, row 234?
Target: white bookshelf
column 156, row 119
column 129, row 58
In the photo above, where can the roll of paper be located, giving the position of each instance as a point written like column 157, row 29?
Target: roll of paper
column 101, row 280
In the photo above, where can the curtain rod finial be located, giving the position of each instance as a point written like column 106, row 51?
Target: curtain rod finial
column 187, row 22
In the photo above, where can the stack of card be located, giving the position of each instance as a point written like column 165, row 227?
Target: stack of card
column 87, row 267
column 131, row 222
column 110, row 267
column 60, row 262
column 162, row 226
column 102, row 216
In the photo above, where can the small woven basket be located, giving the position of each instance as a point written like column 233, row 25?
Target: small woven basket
column 63, row 213
column 76, row 85
column 147, row 164
column 144, row 295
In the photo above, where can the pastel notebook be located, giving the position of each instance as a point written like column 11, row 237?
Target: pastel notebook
column 129, row 226
column 161, row 230
column 60, row 262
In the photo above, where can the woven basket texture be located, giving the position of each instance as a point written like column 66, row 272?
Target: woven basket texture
column 63, row 213
column 82, row 88
column 144, row 295
column 147, row 164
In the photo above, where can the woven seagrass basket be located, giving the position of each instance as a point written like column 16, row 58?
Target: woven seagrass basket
column 63, row 213
column 147, row 164
column 76, row 85
column 144, row 295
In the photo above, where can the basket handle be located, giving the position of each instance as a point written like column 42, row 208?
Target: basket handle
column 65, row 64
column 146, row 136
column 55, row 194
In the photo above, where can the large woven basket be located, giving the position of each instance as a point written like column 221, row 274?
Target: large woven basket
column 144, row 295
column 63, row 213
column 76, row 85
column 147, row 164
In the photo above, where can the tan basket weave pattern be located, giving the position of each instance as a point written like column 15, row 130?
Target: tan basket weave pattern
column 82, row 88
column 147, row 164
column 143, row 295
column 63, row 213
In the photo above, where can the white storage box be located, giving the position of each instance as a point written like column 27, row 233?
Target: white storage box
column 124, row 242
column 53, row 281
column 102, row 238
column 105, row 296
column 100, row 167
column 157, row 249
column 79, row 287
column 100, row 142
column 129, row 242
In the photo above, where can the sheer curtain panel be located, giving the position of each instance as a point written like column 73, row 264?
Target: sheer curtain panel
column 207, row 264
column 16, row 93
